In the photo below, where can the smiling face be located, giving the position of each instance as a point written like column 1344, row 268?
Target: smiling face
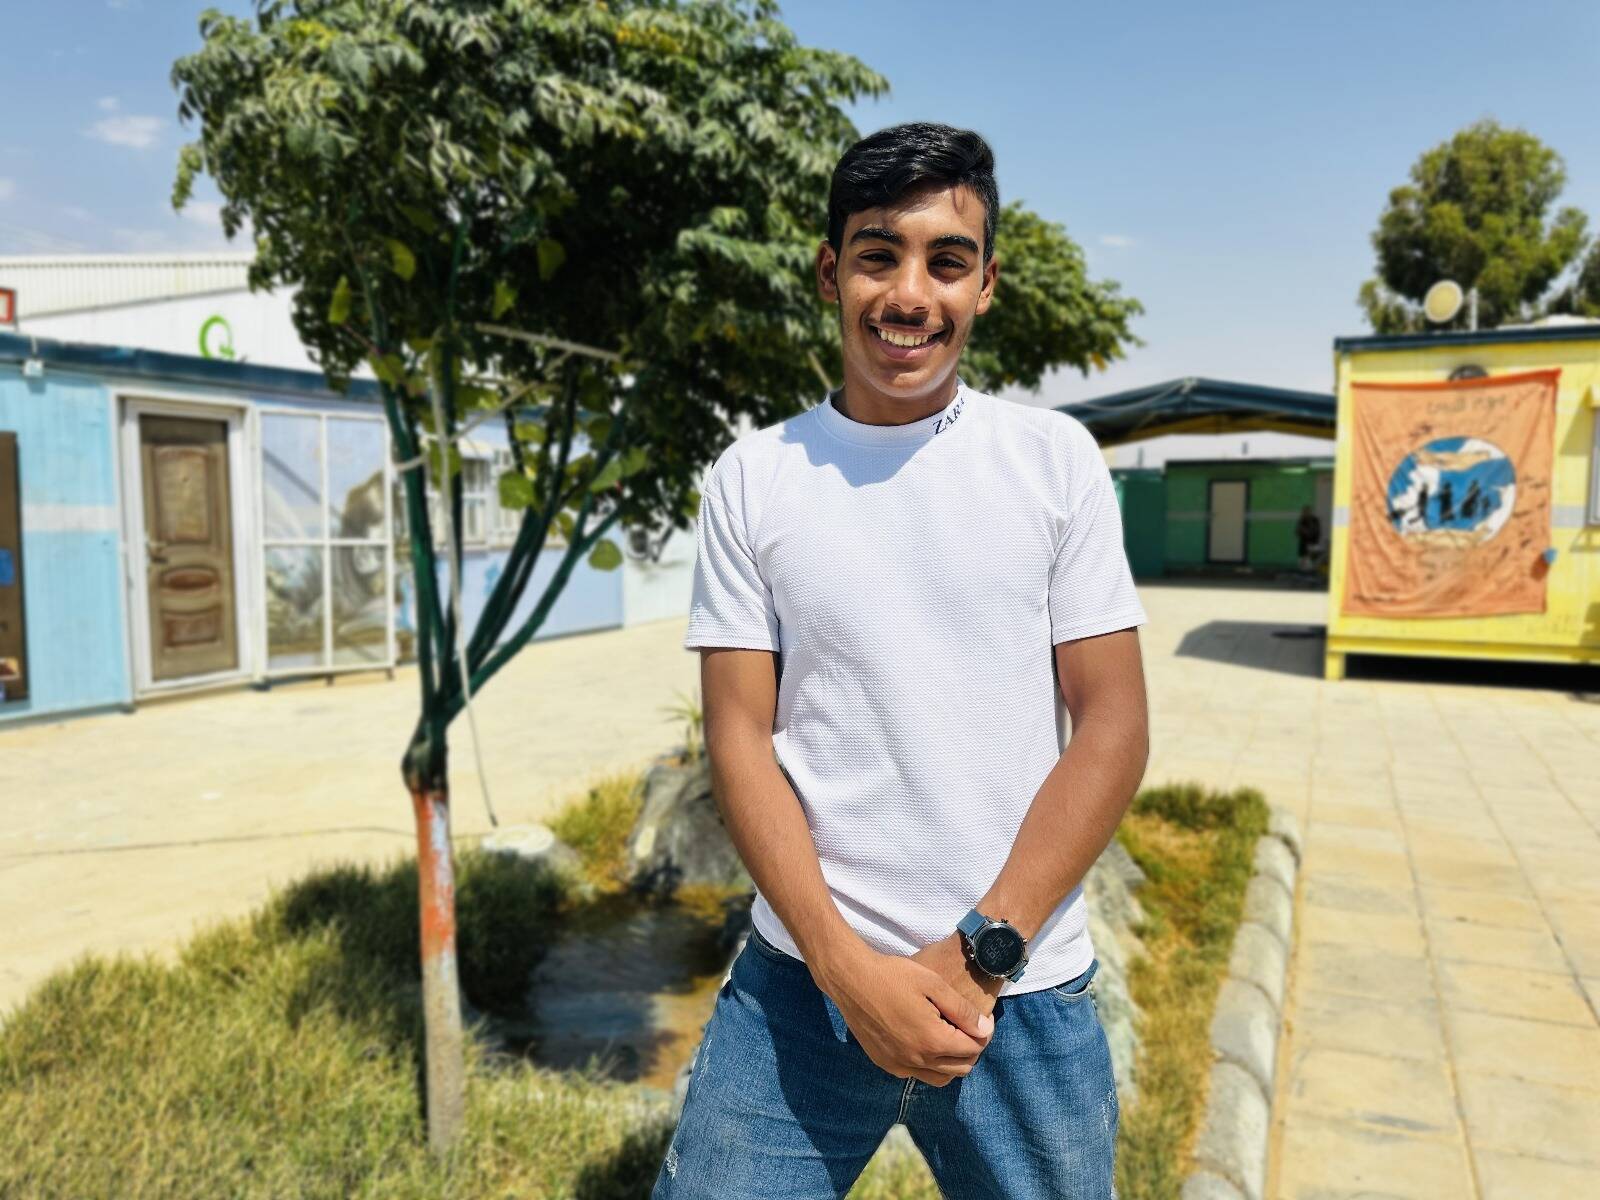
column 909, row 279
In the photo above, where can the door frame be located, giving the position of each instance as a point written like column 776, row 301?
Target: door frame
column 133, row 403
column 1244, row 524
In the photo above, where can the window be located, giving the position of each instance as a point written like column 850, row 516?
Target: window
column 327, row 553
column 476, row 492
column 506, row 520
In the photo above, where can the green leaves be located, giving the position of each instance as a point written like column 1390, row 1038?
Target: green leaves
column 606, row 555
column 551, row 255
column 404, row 261
column 339, row 306
column 609, row 475
column 516, row 490
column 505, row 296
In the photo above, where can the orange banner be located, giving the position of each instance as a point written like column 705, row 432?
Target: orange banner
column 1450, row 496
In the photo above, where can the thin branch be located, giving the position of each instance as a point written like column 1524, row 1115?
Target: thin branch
column 541, row 339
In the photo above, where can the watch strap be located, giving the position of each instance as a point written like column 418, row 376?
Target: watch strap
column 971, row 923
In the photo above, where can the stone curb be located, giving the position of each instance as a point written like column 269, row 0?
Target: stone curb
column 1231, row 1152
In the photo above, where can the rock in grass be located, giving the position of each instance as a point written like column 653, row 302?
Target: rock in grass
column 679, row 837
column 532, row 843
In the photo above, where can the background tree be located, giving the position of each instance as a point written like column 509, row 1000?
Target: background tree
column 1046, row 311
column 1478, row 211
column 593, row 222
column 1582, row 297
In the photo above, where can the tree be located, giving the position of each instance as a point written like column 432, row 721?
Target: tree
column 1582, row 298
column 593, row 221
column 1045, row 312
column 1477, row 211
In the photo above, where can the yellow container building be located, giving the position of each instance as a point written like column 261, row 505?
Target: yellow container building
column 1466, row 494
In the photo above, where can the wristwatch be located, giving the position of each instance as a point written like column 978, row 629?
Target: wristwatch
column 993, row 946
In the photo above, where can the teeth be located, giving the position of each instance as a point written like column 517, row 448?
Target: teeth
column 904, row 339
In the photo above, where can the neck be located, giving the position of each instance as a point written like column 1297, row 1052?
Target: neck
column 862, row 402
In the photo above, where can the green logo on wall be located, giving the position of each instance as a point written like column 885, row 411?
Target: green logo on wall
column 216, row 338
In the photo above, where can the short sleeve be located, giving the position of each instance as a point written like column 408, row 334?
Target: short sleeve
column 731, row 605
column 1091, row 584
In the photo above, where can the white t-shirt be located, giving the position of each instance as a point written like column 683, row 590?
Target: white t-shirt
column 913, row 579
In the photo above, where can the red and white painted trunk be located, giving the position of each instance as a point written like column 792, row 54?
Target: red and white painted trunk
column 441, row 996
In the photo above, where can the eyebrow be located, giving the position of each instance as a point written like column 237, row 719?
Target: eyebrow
column 881, row 233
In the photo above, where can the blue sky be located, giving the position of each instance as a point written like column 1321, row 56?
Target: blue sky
column 1225, row 162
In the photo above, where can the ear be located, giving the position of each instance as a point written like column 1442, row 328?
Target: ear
column 991, row 273
column 827, row 273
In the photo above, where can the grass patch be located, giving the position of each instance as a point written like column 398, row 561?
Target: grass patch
column 281, row 1054
column 1196, row 846
column 597, row 827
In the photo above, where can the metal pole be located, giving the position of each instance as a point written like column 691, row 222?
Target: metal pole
column 1472, row 309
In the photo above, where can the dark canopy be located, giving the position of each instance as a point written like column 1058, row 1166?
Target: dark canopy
column 1196, row 405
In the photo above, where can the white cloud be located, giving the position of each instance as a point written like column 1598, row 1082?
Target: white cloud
column 1119, row 241
column 8, row 188
column 139, row 133
column 77, row 212
column 109, row 103
column 203, row 212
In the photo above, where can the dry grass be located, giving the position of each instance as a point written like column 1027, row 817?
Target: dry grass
column 1196, row 846
column 598, row 825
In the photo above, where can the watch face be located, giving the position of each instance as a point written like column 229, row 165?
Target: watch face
column 999, row 950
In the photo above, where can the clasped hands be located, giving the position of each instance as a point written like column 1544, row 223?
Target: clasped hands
column 924, row 1016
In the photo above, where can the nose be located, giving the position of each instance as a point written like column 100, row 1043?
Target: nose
column 910, row 293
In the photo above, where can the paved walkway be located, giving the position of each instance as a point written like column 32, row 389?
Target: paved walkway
column 1441, row 1035
column 1442, row 1038
column 125, row 831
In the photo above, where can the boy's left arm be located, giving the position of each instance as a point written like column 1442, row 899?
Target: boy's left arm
column 1078, row 806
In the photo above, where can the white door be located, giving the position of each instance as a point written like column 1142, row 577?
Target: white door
column 1225, row 540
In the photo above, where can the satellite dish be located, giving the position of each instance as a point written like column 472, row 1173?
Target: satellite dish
column 1443, row 301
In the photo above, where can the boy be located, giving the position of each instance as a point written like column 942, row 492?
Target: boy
column 888, row 588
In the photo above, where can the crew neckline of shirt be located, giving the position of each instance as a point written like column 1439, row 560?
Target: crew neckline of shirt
column 910, row 434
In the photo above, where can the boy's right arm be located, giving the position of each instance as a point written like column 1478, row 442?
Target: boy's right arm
column 906, row 1017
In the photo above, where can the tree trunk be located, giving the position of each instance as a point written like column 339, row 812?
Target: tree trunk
column 441, row 997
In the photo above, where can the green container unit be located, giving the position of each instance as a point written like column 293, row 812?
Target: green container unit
column 1240, row 514
column 1142, row 496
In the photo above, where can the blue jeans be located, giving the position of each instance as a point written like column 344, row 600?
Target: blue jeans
column 784, row 1104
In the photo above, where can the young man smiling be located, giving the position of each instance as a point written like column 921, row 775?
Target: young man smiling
column 897, row 595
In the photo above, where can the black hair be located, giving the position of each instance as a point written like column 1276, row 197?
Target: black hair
column 882, row 167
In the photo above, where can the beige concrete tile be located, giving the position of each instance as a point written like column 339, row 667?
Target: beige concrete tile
column 1591, row 988
column 1364, row 1025
column 1526, row 949
column 1370, row 816
column 1515, row 1116
column 1480, row 874
column 1507, row 910
column 1378, row 866
column 1407, row 1095
column 1566, row 1056
column 1426, row 828
column 1400, row 934
column 1361, row 837
column 1517, row 1177
column 1513, row 992
column 1577, row 928
column 1554, row 831
column 1352, row 970
column 1563, row 873
column 1323, row 1159
column 1353, row 894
